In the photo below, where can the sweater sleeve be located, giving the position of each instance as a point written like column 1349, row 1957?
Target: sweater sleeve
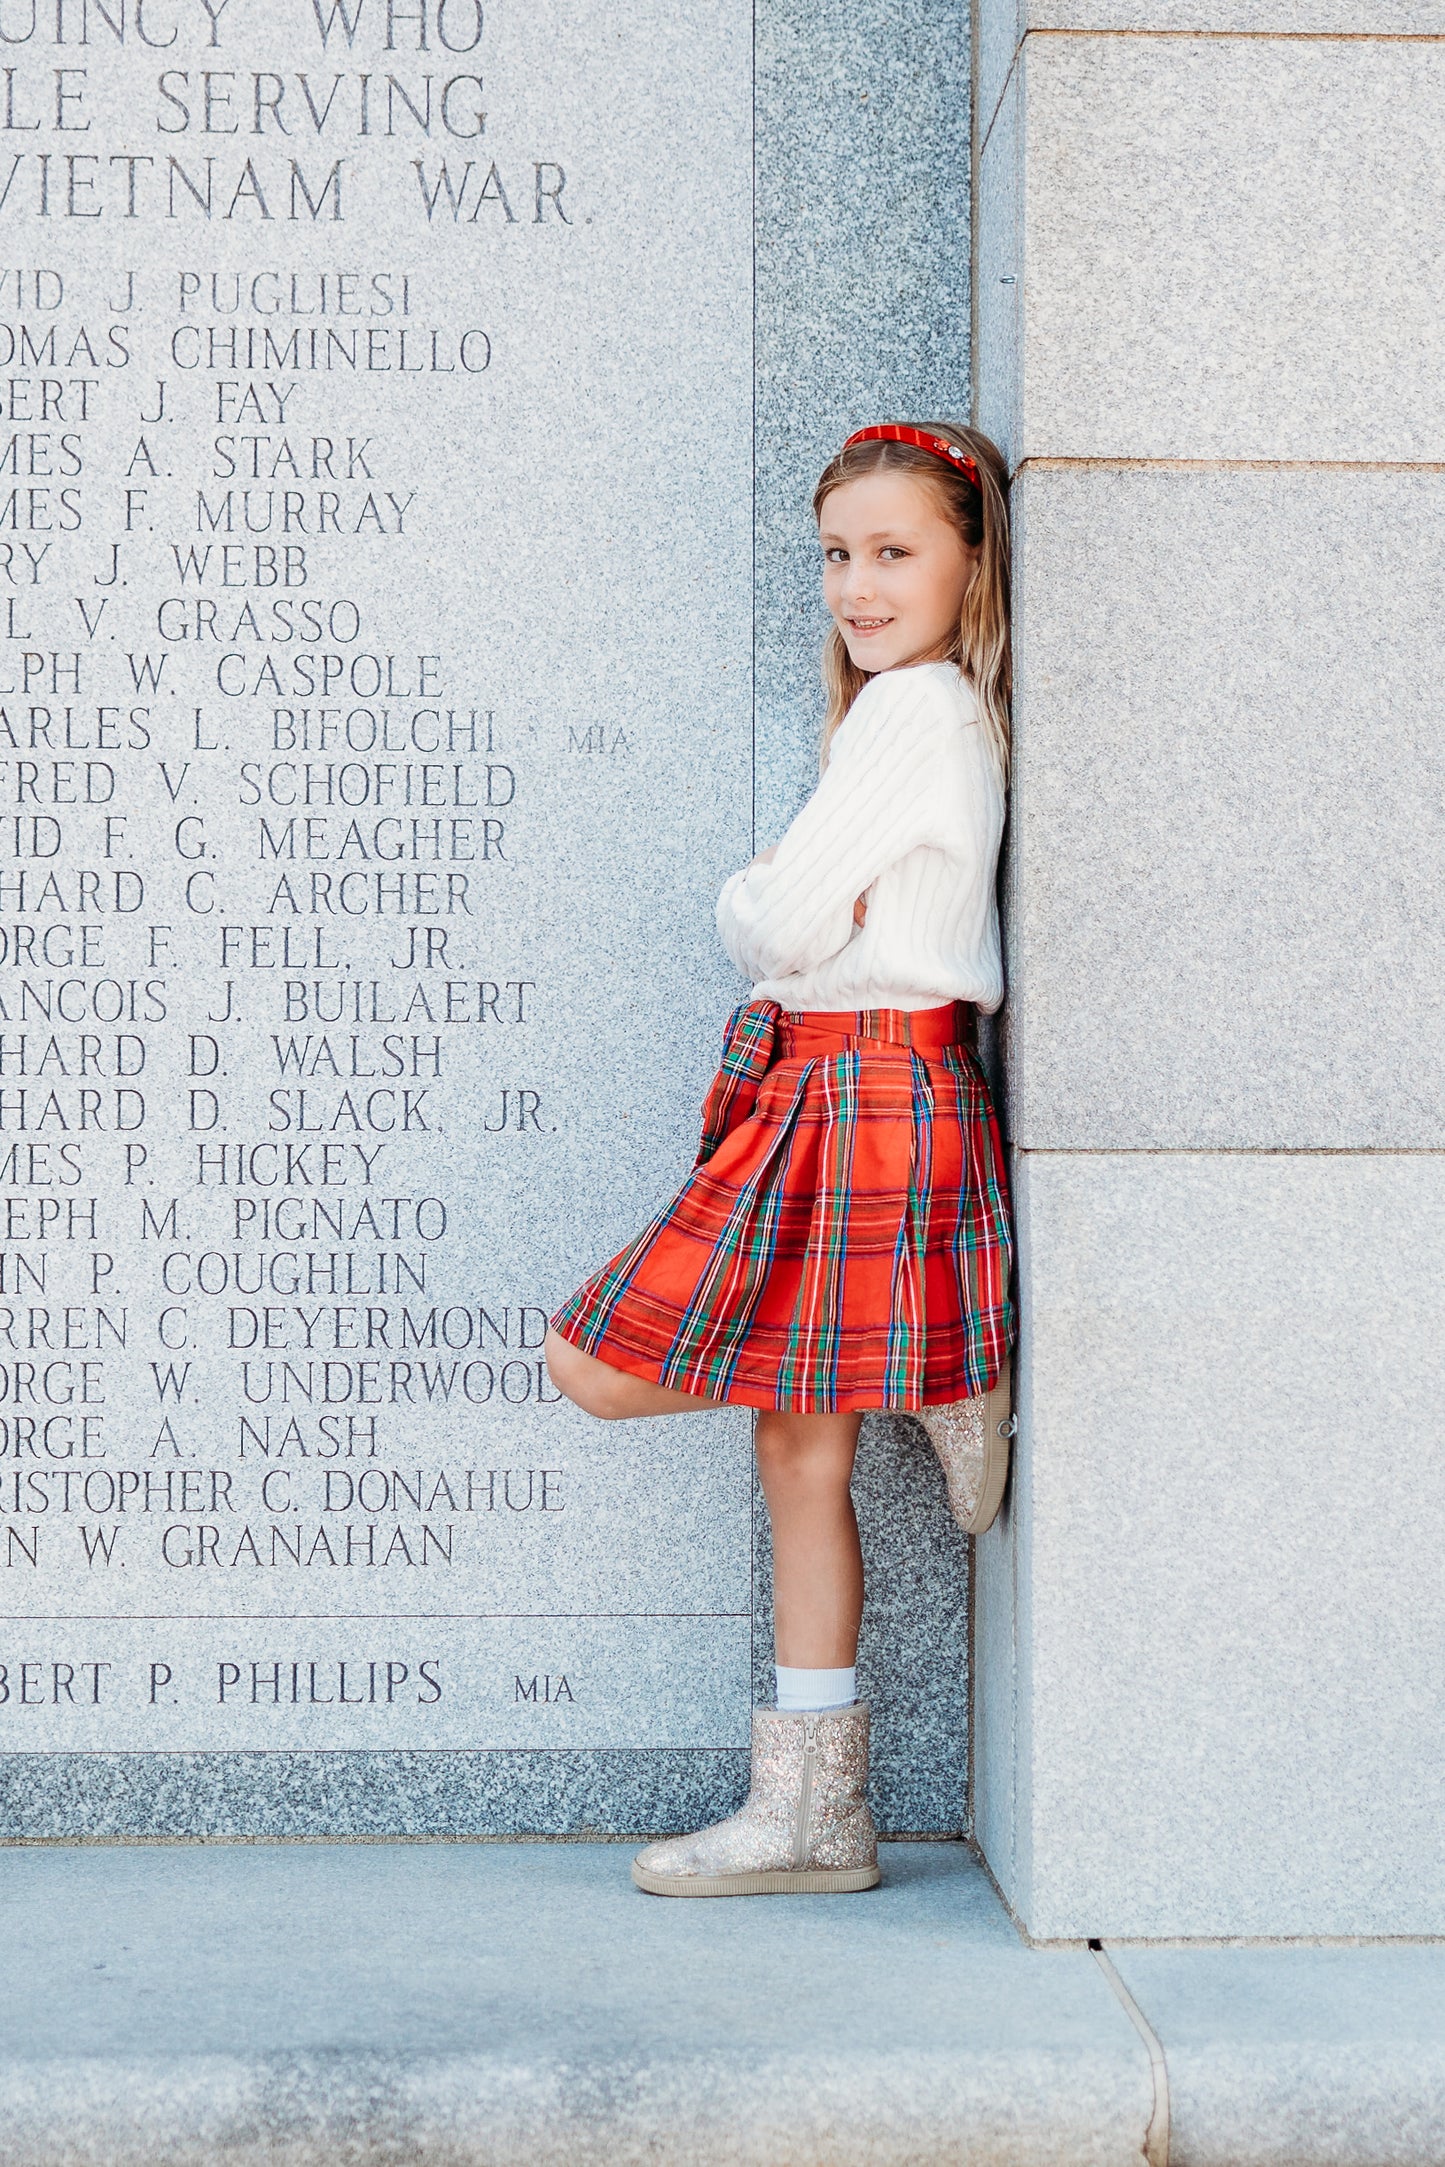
column 876, row 801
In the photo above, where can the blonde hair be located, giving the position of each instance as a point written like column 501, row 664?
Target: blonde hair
column 980, row 646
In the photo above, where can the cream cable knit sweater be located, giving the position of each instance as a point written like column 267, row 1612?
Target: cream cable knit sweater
column 910, row 808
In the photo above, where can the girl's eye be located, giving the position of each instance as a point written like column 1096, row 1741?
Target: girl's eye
column 836, row 556
column 893, row 550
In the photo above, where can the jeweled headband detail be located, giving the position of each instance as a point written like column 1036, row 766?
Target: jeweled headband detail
column 897, row 432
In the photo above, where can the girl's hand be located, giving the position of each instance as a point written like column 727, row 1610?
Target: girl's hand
column 766, row 857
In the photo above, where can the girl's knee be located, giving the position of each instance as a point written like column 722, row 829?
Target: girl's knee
column 588, row 1383
column 804, row 1452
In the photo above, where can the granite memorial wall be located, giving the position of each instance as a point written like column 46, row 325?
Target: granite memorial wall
column 377, row 531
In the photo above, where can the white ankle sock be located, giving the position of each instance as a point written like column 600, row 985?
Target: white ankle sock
column 814, row 1690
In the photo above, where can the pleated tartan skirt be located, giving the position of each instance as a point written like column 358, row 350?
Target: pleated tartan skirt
column 843, row 1240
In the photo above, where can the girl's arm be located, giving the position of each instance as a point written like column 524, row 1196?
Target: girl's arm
column 860, row 908
column 794, row 906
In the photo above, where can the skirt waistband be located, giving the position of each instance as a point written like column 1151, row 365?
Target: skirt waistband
column 806, row 1032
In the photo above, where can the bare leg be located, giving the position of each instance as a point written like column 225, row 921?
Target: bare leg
column 612, row 1394
column 806, row 1462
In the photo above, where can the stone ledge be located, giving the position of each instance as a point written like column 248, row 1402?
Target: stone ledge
column 442, row 2004
column 1333, row 2056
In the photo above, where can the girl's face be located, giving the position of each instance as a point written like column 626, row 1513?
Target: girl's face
column 895, row 570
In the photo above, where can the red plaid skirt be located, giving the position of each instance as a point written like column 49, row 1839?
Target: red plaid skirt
column 842, row 1242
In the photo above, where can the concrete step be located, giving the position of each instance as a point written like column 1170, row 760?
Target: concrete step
column 440, row 2004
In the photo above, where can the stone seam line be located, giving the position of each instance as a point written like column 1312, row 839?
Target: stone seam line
column 1253, row 37
column 1156, row 2137
column 1123, row 460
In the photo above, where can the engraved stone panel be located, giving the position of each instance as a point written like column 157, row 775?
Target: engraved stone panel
column 409, row 414
column 375, row 715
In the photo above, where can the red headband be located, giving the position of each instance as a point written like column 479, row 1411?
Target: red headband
column 896, row 432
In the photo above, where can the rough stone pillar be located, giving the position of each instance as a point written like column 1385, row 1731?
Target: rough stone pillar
column 861, row 313
column 1208, row 266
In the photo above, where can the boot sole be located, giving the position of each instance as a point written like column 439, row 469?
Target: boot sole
column 803, row 1881
column 997, row 1452
column 995, row 1482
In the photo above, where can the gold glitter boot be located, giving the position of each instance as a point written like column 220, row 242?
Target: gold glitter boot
column 971, row 1438
column 804, row 1828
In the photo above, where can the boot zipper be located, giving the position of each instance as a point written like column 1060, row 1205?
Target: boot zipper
column 805, row 1793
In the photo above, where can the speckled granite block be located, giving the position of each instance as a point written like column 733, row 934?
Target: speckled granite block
column 1234, row 248
column 220, row 1795
column 1212, row 1622
column 1226, row 881
column 1004, row 25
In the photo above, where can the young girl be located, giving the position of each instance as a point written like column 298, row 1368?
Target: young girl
column 843, row 1241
